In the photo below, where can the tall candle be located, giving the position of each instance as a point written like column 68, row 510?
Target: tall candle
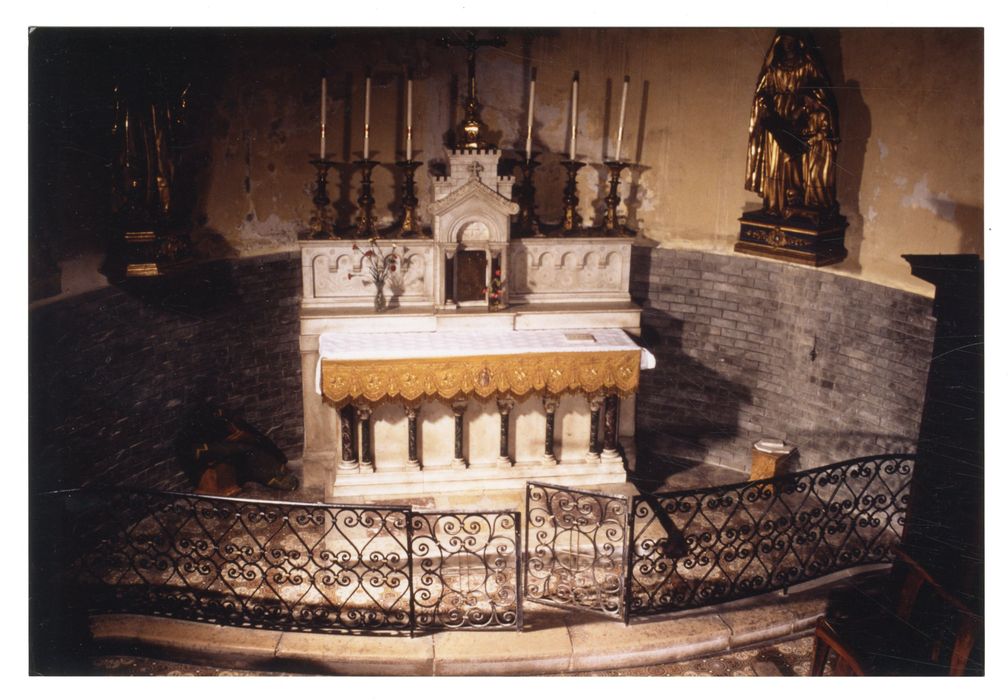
column 573, row 143
column 528, row 138
column 367, row 114
column 409, row 120
column 322, row 143
column 622, row 113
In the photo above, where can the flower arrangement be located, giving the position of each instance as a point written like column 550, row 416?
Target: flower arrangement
column 379, row 266
column 497, row 288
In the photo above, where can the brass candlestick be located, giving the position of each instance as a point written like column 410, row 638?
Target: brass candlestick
column 528, row 222
column 321, row 225
column 571, row 220
column 612, row 200
column 366, row 221
column 409, row 225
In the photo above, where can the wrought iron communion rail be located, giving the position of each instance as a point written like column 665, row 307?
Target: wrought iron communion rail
column 700, row 547
column 389, row 569
column 292, row 566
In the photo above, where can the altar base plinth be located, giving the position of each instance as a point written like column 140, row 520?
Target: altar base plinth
column 489, row 477
column 806, row 238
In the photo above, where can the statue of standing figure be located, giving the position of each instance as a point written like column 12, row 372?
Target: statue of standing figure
column 791, row 159
column 149, row 115
column 144, row 129
column 793, row 132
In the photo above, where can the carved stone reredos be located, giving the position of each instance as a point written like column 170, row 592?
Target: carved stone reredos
column 473, row 203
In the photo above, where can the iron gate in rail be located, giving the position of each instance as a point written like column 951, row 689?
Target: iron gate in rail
column 666, row 552
column 387, row 569
column 576, row 548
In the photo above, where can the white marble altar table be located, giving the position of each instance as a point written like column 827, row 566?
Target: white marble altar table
column 415, row 365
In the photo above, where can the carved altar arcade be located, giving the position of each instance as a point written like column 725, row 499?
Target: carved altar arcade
column 441, row 392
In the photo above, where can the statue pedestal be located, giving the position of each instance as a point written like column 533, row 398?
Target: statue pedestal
column 803, row 239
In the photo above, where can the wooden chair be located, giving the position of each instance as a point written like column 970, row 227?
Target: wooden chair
column 922, row 630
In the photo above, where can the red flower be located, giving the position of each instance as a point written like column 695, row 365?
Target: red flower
column 349, row 275
column 393, row 268
column 369, row 254
column 355, row 247
column 496, row 273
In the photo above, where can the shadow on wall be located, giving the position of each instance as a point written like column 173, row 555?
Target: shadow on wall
column 970, row 221
column 855, row 130
column 112, row 374
column 749, row 349
column 683, row 405
column 635, row 194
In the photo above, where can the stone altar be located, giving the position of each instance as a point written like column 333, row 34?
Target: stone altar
column 576, row 289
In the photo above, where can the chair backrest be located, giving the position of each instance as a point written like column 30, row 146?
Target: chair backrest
column 925, row 603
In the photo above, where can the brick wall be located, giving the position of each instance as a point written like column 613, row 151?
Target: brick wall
column 750, row 348
column 113, row 374
column 746, row 348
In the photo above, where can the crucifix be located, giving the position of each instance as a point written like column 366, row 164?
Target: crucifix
column 470, row 129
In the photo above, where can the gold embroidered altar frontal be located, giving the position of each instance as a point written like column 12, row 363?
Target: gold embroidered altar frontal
column 410, row 380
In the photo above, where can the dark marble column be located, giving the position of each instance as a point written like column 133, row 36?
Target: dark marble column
column 504, row 405
column 595, row 404
column 550, row 405
column 412, row 462
column 459, row 408
column 611, row 428
column 348, row 439
column 364, row 421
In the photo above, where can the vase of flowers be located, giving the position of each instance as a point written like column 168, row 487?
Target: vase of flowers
column 497, row 288
column 379, row 265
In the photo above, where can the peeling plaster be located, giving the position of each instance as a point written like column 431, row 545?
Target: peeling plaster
column 923, row 198
column 883, row 150
column 273, row 233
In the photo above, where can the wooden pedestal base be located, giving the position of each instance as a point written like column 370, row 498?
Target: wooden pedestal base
column 804, row 239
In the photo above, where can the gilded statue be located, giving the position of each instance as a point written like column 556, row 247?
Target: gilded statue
column 145, row 133
column 793, row 132
column 147, row 143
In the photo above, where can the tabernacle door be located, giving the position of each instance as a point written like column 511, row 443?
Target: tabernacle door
column 471, row 276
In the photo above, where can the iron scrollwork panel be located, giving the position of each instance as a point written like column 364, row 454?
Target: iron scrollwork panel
column 696, row 548
column 576, row 547
column 259, row 564
column 466, row 569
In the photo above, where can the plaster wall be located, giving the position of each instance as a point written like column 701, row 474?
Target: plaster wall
column 910, row 170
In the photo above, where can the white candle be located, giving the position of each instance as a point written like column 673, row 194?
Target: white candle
column 409, row 120
column 322, row 143
column 622, row 113
column 573, row 142
column 528, row 138
column 367, row 114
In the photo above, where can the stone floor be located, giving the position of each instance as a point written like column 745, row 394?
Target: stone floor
column 787, row 658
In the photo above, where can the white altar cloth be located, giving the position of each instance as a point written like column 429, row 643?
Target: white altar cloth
column 403, row 346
